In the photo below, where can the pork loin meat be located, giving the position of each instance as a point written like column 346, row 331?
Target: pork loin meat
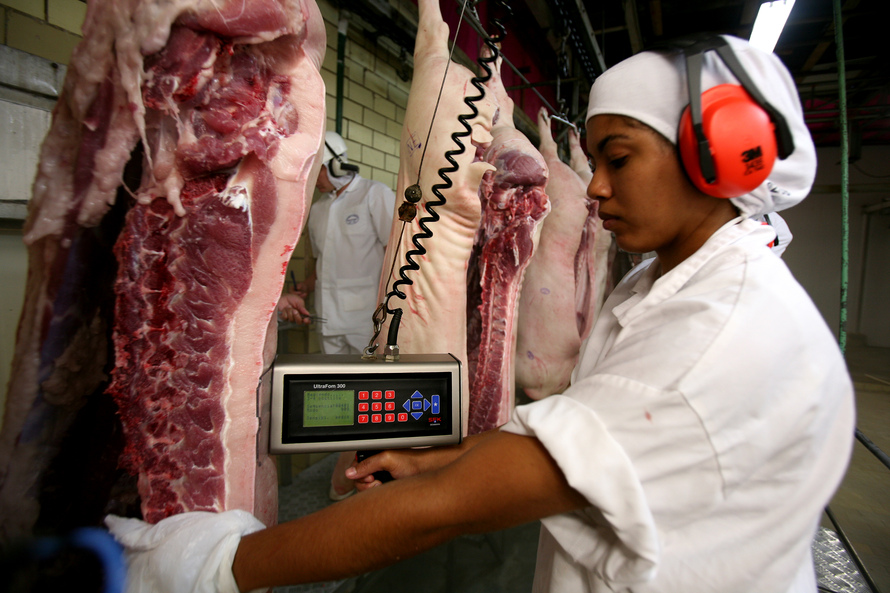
column 514, row 205
column 218, row 107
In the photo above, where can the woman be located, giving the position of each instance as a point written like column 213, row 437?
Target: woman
column 709, row 420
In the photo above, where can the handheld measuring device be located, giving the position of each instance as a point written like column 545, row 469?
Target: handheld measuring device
column 342, row 402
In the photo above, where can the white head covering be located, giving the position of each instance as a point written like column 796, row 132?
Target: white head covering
column 651, row 87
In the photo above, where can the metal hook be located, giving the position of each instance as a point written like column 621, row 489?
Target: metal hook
column 378, row 318
column 565, row 121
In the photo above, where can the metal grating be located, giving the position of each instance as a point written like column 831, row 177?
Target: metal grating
column 835, row 570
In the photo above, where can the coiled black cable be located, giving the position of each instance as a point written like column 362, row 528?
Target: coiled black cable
column 433, row 216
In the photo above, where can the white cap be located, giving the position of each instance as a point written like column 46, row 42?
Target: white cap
column 334, row 141
column 651, row 87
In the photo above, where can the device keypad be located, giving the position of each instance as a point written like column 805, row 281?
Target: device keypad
column 414, row 407
column 382, row 400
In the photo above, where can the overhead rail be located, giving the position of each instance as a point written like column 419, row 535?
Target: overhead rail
column 472, row 19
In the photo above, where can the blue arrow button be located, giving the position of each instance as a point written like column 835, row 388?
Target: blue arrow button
column 417, row 415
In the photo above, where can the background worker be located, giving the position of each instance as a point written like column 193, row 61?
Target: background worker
column 349, row 226
column 694, row 450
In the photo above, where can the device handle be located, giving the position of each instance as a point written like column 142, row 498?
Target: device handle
column 382, row 476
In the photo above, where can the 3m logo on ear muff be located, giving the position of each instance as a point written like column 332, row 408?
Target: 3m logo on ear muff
column 730, row 135
column 754, row 156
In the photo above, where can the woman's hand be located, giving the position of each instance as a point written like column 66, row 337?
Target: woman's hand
column 400, row 463
column 403, row 463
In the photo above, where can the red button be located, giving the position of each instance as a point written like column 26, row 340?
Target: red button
column 390, row 417
column 363, row 407
column 376, row 395
column 363, row 395
column 390, row 394
column 376, row 406
column 362, row 418
column 403, row 416
column 390, row 406
column 376, row 418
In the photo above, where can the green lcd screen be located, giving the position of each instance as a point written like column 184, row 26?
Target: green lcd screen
column 329, row 408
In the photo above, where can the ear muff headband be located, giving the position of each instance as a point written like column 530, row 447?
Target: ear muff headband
column 338, row 166
column 729, row 136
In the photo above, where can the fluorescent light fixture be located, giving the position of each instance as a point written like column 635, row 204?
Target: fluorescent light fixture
column 769, row 24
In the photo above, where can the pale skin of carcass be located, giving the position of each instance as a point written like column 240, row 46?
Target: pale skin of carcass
column 434, row 313
column 577, row 159
column 548, row 339
column 603, row 241
column 602, row 256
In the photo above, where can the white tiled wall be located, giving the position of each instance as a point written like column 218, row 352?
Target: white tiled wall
column 13, row 272
column 22, row 130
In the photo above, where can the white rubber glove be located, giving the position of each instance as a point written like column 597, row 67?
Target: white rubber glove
column 185, row 553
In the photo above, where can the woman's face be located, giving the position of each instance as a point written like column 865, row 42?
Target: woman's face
column 644, row 196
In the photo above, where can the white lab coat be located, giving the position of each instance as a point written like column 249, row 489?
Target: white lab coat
column 709, row 421
column 348, row 234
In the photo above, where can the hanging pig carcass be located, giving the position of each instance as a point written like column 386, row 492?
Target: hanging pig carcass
column 435, row 303
column 148, row 321
column 493, row 203
column 565, row 283
column 578, row 160
column 513, row 207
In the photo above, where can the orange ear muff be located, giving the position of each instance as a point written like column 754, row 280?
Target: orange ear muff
column 738, row 138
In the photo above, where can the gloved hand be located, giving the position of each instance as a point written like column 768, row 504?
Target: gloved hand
column 185, row 553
